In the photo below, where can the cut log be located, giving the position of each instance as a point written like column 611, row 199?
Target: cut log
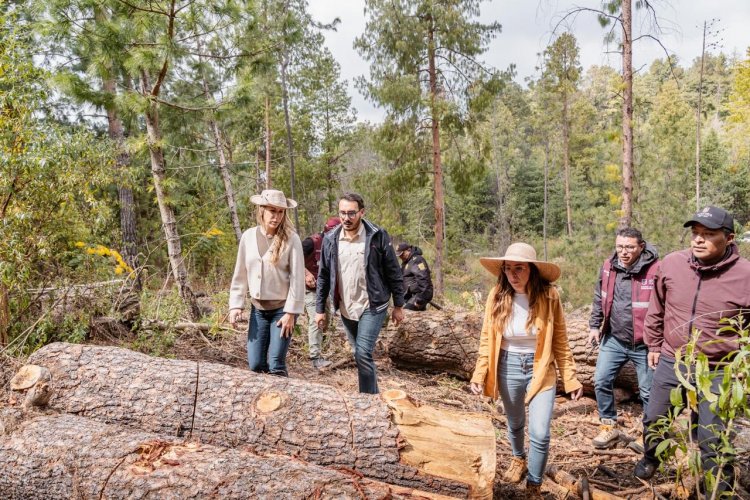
column 568, row 481
column 34, row 381
column 66, row 456
column 448, row 342
column 231, row 407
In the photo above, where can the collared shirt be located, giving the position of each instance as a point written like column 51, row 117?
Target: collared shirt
column 352, row 283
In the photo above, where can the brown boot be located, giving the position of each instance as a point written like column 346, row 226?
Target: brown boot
column 516, row 470
column 534, row 491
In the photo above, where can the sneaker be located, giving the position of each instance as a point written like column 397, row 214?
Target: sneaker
column 637, row 445
column 644, row 469
column 516, row 470
column 608, row 436
column 319, row 363
column 534, row 491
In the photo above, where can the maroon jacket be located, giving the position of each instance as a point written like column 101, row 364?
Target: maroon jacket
column 690, row 295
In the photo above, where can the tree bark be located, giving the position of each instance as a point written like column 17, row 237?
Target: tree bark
column 268, row 143
column 174, row 245
column 67, row 456
column 223, row 169
column 627, row 115
column 289, row 141
column 566, row 162
column 437, row 165
column 223, row 406
column 4, row 315
column 449, row 342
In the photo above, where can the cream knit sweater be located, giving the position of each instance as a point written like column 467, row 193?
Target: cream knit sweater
column 266, row 281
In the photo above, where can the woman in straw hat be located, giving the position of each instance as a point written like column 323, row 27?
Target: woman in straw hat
column 271, row 266
column 523, row 338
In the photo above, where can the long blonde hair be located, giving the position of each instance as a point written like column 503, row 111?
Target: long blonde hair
column 503, row 292
column 282, row 236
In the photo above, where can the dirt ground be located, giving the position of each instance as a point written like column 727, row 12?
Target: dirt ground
column 573, row 424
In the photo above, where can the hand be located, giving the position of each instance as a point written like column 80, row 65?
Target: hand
column 576, row 395
column 477, row 389
column 653, row 359
column 398, row 315
column 286, row 323
column 594, row 336
column 309, row 279
column 234, row 316
column 320, row 320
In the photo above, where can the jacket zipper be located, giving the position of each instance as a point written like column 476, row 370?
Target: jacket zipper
column 695, row 305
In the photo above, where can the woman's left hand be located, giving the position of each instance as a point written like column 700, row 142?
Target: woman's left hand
column 576, row 395
column 286, row 323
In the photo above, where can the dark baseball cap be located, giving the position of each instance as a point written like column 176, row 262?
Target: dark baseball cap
column 402, row 247
column 712, row 218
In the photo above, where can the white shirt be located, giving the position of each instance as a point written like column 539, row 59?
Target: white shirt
column 515, row 337
column 351, row 280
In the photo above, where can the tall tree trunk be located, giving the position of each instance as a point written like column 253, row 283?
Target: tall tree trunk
column 698, row 125
column 502, row 195
column 627, row 115
column 268, row 143
column 437, row 166
column 174, row 245
column 125, row 194
column 289, row 143
column 566, row 162
column 223, row 169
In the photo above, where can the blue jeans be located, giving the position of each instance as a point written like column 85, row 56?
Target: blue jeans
column 514, row 374
column 362, row 335
column 613, row 354
column 266, row 348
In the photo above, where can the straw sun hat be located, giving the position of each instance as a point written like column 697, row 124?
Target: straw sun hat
column 274, row 198
column 521, row 252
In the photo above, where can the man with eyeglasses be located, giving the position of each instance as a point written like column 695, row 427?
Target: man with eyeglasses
column 621, row 297
column 359, row 270
column 697, row 290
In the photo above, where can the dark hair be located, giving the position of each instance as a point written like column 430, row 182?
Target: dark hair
column 354, row 197
column 630, row 232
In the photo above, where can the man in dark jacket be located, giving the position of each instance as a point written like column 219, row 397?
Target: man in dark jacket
column 311, row 248
column 359, row 270
column 695, row 289
column 417, row 280
column 621, row 296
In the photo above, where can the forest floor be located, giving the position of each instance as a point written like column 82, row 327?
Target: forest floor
column 574, row 424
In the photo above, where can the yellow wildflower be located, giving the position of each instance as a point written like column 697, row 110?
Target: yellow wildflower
column 80, row 244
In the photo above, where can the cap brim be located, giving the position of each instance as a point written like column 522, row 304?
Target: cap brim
column 702, row 222
column 548, row 271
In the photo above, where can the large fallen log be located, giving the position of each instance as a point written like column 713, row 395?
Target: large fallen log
column 317, row 423
column 448, row 341
column 65, row 456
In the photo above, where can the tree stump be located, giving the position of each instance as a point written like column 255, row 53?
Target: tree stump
column 231, row 407
column 66, row 456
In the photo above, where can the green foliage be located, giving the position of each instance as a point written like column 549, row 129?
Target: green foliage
column 726, row 390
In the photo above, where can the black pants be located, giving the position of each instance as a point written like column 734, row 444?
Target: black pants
column 708, row 423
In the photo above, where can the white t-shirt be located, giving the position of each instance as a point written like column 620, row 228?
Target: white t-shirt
column 516, row 338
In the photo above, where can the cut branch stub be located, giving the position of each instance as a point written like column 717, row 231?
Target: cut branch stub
column 27, row 376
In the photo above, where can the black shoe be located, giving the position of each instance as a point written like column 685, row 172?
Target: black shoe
column 644, row 469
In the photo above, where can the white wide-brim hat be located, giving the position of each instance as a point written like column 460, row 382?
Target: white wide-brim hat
column 274, row 198
column 521, row 252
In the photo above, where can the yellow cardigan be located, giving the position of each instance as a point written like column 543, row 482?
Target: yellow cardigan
column 551, row 349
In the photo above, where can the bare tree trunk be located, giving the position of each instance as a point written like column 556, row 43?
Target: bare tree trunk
column 566, row 162
column 268, row 143
column 411, row 445
column 174, row 245
column 546, row 196
column 627, row 115
column 501, row 176
column 289, row 141
column 223, row 170
column 698, row 125
column 115, row 462
column 437, row 167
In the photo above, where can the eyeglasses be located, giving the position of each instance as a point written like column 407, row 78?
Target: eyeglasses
column 348, row 215
column 626, row 248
